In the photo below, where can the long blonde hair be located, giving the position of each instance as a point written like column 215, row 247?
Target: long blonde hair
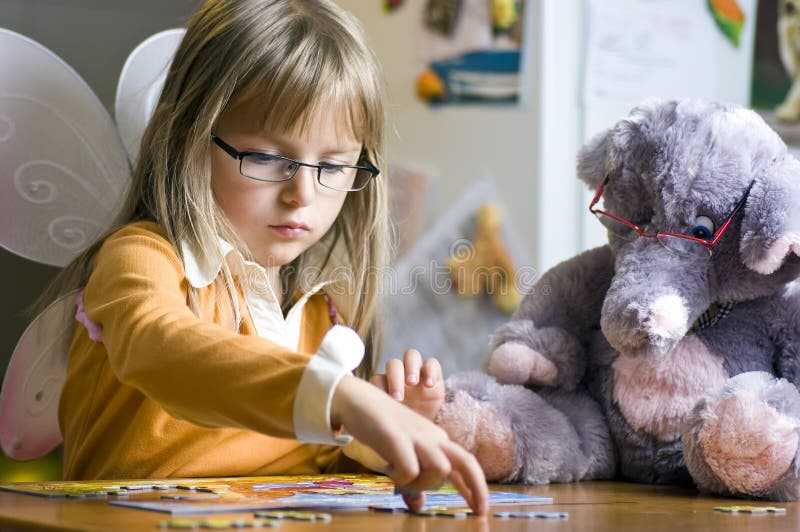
column 297, row 57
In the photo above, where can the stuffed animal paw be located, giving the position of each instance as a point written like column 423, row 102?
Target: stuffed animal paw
column 518, row 435
column 525, row 354
column 743, row 439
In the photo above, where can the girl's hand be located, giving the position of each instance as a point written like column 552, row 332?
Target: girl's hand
column 420, row 454
column 417, row 385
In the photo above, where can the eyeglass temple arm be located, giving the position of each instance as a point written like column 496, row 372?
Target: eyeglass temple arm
column 597, row 195
column 729, row 221
column 230, row 150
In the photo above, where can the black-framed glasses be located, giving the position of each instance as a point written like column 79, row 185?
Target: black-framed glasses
column 276, row 168
column 702, row 244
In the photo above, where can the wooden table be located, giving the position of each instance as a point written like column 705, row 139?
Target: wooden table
column 596, row 506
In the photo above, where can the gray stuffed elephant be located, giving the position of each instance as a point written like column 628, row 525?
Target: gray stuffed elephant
column 684, row 329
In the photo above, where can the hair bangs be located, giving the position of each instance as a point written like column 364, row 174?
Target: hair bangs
column 316, row 79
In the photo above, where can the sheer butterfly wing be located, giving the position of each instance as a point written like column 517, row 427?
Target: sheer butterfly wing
column 63, row 176
column 64, row 172
column 33, row 382
column 140, row 85
column 63, row 168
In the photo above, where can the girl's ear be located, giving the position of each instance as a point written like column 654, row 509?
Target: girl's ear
column 604, row 154
column 771, row 224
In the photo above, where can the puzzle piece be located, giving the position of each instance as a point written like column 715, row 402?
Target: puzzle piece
column 218, row 524
column 445, row 512
column 79, row 494
column 532, row 515
column 221, row 488
column 296, row 516
column 192, row 497
column 750, row 509
column 184, row 524
column 388, row 508
column 257, row 523
column 139, row 487
column 226, row 524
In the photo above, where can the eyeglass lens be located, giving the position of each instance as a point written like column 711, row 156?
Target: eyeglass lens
column 266, row 167
column 618, row 228
column 674, row 244
column 683, row 246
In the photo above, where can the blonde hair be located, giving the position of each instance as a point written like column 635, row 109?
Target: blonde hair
column 297, row 57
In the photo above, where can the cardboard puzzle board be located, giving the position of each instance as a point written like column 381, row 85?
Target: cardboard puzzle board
column 238, row 494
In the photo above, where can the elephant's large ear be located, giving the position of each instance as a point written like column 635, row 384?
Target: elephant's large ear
column 771, row 225
column 595, row 160
column 604, row 154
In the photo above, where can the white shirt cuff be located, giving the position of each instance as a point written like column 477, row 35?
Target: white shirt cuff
column 340, row 352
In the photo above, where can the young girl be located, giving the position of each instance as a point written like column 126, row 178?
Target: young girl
column 257, row 177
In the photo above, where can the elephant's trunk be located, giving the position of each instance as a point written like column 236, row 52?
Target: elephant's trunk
column 654, row 298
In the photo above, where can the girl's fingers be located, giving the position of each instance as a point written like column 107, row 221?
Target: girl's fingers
column 403, row 466
column 472, row 478
column 395, row 379
column 431, row 372
column 457, row 465
column 412, row 360
column 457, row 480
column 415, row 501
column 380, row 382
column 434, row 467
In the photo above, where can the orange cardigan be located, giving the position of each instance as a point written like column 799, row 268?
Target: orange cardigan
column 168, row 394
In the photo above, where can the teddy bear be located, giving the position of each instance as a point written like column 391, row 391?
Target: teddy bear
column 487, row 268
column 671, row 354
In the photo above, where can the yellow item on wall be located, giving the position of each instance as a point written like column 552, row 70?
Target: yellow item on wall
column 430, row 86
column 504, row 14
column 485, row 267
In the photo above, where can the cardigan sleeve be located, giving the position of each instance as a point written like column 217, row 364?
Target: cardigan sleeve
column 196, row 370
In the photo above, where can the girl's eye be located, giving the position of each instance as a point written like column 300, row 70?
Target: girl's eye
column 262, row 158
column 332, row 169
column 703, row 228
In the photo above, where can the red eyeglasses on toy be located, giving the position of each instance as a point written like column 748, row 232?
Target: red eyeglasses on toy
column 700, row 243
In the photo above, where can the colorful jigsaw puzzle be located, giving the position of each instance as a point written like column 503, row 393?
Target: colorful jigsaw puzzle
column 236, row 494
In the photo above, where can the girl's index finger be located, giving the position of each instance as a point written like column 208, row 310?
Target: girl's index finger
column 415, row 500
column 412, row 360
column 468, row 478
column 395, row 379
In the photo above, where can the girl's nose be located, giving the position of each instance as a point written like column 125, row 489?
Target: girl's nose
column 302, row 188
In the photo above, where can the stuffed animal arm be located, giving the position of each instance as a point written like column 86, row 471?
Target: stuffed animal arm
column 541, row 344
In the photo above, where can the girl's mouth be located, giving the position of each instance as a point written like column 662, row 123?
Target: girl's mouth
column 290, row 230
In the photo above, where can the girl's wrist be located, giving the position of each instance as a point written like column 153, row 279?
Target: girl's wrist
column 342, row 397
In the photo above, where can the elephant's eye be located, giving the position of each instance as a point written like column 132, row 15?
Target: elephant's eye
column 703, row 228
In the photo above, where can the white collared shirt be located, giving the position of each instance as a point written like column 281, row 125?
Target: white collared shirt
column 340, row 351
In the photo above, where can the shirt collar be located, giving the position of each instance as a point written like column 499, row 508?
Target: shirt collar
column 201, row 271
